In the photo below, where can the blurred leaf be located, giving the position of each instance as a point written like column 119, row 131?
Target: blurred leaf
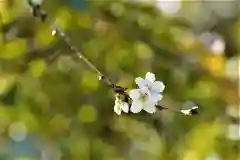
column 37, row 67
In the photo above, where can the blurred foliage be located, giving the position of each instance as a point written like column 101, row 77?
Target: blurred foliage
column 53, row 107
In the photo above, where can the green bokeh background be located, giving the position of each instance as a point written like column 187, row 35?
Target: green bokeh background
column 66, row 113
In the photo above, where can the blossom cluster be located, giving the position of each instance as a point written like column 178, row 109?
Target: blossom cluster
column 145, row 97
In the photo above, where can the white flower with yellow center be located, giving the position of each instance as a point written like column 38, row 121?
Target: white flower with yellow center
column 155, row 87
column 142, row 100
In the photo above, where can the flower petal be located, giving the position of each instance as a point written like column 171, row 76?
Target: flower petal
column 136, row 106
column 158, row 86
column 134, row 94
column 144, row 90
column 155, row 97
column 125, row 107
column 140, row 82
column 150, row 77
column 147, row 92
column 149, row 107
column 117, row 109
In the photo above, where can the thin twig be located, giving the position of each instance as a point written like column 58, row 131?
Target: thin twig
column 38, row 13
column 56, row 31
column 187, row 112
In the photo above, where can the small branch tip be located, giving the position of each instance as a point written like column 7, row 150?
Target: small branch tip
column 190, row 112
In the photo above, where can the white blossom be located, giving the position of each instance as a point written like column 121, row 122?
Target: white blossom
column 54, row 32
column 189, row 112
column 120, row 106
column 143, row 100
column 155, row 87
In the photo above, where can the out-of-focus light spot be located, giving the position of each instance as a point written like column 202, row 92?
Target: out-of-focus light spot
column 144, row 21
column 117, row 9
column 234, row 132
column 37, row 1
column 232, row 68
column 87, row 113
column 169, row 7
column 51, row 152
column 65, row 63
column 143, row 51
column 207, row 38
column 191, row 155
column 101, row 27
column 233, row 111
column 185, row 39
column 218, row 46
column 213, row 42
column 213, row 156
column 215, row 64
column 18, row 131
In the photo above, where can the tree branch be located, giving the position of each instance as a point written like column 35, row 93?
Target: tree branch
column 56, row 31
